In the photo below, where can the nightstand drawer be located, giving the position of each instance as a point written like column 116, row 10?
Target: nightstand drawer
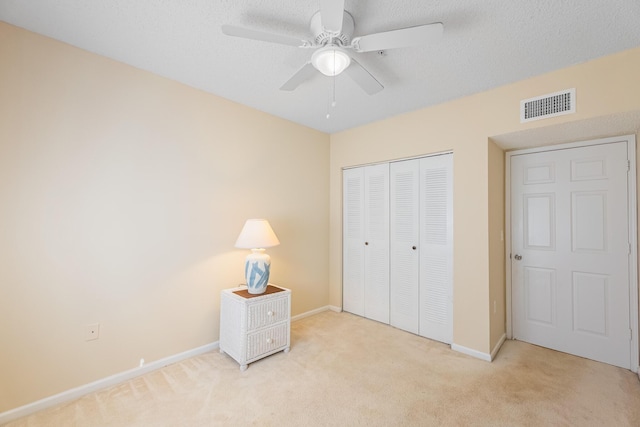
column 267, row 340
column 267, row 313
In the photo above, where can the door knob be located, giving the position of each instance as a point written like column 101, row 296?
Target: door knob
column 414, row 248
column 518, row 257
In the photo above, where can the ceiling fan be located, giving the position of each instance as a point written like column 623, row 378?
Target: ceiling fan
column 332, row 28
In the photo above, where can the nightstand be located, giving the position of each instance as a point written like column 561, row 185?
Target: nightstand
column 254, row 326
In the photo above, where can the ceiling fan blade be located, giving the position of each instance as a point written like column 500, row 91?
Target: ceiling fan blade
column 332, row 14
column 404, row 37
column 299, row 77
column 232, row 30
column 363, row 78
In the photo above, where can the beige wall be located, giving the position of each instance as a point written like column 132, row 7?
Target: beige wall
column 121, row 196
column 497, row 302
column 605, row 87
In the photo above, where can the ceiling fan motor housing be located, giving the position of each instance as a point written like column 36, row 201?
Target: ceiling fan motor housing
column 323, row 37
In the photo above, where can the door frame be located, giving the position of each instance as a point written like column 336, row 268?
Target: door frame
column 633, row 232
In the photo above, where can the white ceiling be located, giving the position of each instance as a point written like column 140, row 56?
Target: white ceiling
column 486, row 43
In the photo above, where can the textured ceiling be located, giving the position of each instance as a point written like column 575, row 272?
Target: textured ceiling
column 486, row 43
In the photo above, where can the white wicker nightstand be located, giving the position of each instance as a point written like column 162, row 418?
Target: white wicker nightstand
column 254, row 326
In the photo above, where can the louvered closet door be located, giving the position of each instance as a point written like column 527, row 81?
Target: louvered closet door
column 421, row 244
column 436, row 248
column 376, row 249
column 353, row 241
column 404, row 232
column 366, row 242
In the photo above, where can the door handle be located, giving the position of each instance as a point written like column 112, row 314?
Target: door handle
column 518, row 257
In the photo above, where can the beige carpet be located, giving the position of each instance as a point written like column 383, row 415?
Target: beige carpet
column 347, row 371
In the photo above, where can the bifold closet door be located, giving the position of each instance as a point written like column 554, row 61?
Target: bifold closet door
column 404, row 238
column 436, row 248
column 352, row 241
column 421, row 246
column 366, row 242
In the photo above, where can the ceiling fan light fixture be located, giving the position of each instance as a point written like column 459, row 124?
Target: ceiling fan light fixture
column 330, row 60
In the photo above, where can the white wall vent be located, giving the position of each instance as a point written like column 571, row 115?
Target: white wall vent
column 545, row 106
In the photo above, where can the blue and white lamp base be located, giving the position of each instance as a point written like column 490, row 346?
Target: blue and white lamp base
column 256, row 271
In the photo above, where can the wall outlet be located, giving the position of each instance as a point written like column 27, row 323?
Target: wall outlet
column 92, row 332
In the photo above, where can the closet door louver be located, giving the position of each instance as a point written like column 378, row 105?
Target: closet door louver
column 366, row 242
column 436, row 248
column 376, row 248
column 353, row 238
column 404, row 191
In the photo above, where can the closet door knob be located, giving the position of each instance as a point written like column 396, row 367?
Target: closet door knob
column 414, row 248
column 366, row 243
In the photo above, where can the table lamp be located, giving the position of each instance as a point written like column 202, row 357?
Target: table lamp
column 257, row 235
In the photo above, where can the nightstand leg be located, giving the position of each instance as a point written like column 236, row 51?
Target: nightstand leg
column 286, row 350
column 243, row 368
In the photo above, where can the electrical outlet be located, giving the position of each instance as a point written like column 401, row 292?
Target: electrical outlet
column 92, row 332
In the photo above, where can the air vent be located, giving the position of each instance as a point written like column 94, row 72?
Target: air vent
column 545, row 106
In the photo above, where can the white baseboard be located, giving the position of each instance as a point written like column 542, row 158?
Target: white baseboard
column 478, row 354
column 309, row 313
column 316, row 311
column 78, row 392
column 471, row 352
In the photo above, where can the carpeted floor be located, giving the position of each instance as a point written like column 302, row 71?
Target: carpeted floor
column 344, row 370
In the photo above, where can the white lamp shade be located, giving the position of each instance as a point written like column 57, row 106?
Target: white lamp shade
column 330, row 60
column 257, row 233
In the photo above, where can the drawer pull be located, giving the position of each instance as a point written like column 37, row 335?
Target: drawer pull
column 269, row 340
column 270, row 313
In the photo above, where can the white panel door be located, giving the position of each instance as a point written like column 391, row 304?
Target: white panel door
column 405, row 236
column 376, row 244
column 436, row 248
column 570, row 246
column 353, row 237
